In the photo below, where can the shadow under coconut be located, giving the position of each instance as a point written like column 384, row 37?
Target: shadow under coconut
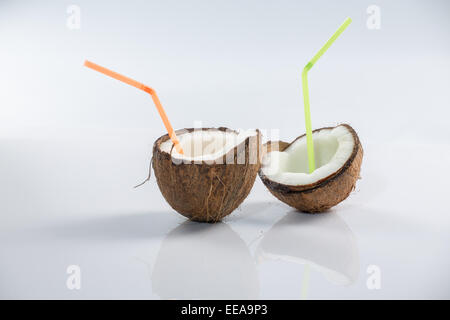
column 204, row 261
column 250, row 212
column 118, row 227
column 322, row 241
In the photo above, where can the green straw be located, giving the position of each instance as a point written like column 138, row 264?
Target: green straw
column 309, row 139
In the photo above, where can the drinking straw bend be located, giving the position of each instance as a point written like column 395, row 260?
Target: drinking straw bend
column 309, row 65
column 145, row 88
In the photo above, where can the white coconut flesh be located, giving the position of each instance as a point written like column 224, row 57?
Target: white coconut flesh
column 332, row 148
column 207, row 145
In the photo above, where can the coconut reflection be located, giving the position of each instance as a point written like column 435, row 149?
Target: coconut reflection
column 204, row 261
column 322, row 241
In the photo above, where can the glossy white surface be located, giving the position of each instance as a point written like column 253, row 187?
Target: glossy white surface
column 70, row 201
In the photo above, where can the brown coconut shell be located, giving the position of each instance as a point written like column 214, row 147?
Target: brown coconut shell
column 207, row 191
column 322, row 194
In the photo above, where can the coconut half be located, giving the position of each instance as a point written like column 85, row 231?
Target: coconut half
column 213, row 176
column 338, row 155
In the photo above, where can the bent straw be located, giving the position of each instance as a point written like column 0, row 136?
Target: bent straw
column 309, row 139
column 145, row 88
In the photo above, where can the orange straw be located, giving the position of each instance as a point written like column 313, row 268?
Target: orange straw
column 145, row 88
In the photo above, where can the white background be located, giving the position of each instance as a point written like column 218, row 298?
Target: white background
column 73, row 143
